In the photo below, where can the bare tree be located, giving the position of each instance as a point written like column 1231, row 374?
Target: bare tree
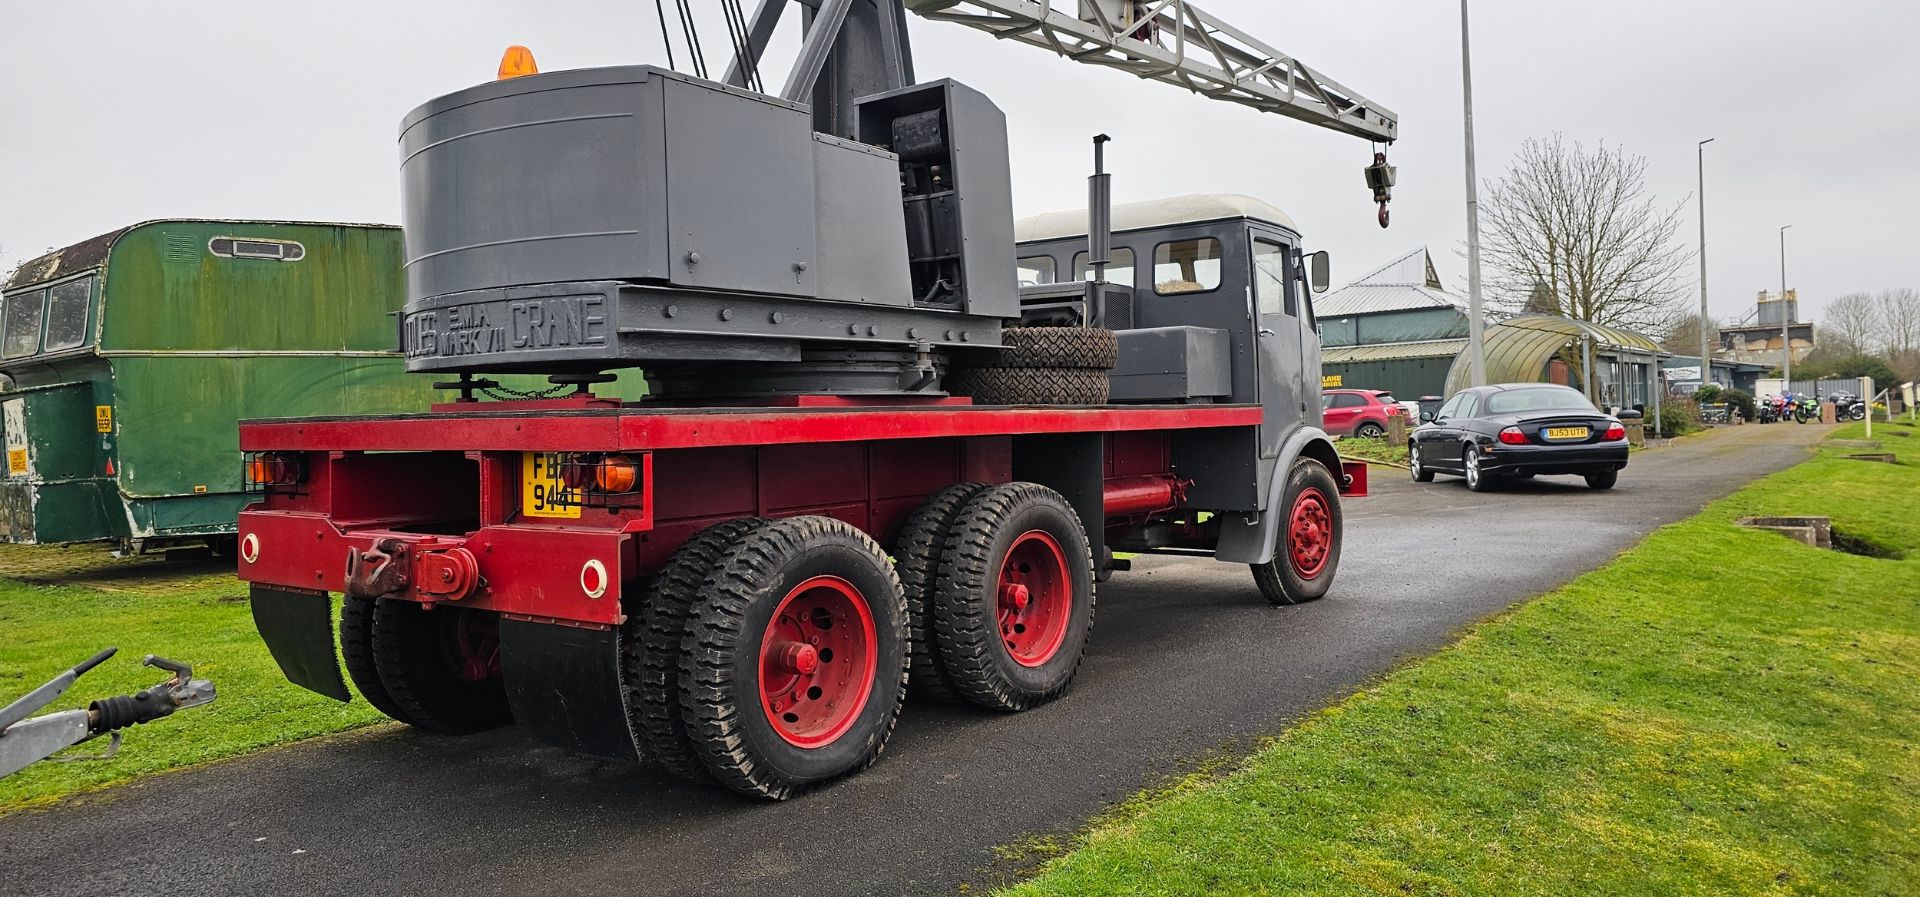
column 1580, row 223
column 1852, row 324
column 1900, row 330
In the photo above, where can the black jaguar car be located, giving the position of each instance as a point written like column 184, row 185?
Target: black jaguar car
column 1518, row 430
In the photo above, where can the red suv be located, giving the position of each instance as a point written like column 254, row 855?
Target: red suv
column 1361, row 413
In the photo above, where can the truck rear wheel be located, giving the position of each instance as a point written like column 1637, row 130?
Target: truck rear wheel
column 1307, row 550
column 1015, row 601
column 795, row 659
column 440, row 666
column 916, row 555
column 651, row 650
column 356, row 648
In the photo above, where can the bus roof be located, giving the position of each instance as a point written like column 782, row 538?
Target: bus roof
column 92, row 253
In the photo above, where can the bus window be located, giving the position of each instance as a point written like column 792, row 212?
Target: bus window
column 1119, row 267
column 1186, row 266
column 67, row 314
column 22, row 332
column 1035, row 270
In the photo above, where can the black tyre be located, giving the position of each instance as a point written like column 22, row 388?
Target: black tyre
column 1056, row 347
column 1421, row 474
column 1369, row 431
column 1016, row 596
column 651, row 648
column 1306, row 553
column 440, row 666
column 794, row 666
column 1031, row 386
column 356, row 648
column 916, row 556
column 1477, row 480
column 1603, row 479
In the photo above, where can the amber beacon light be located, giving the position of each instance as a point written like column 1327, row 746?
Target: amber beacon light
column 517, row 62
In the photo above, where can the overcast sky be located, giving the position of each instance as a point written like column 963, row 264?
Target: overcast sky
column 113, row 112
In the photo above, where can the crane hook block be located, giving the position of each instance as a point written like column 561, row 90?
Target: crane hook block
column 1380, row 178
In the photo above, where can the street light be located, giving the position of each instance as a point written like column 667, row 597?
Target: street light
column 1786, row 319
column 1706, row 366
column 1476, row 324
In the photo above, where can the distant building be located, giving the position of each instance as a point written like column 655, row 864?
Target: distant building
column 1756, row 340
column 1394, row 328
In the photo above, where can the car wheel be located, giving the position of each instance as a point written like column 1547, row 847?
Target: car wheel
column 1420, row 472
column 1603, row 479
column 1369, row 431
column 1477, row 479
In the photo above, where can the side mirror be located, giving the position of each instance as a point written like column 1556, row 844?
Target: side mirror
column 1320, row 268
column 1426, row 417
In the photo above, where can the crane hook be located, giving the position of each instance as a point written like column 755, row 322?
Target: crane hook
column 1380, row 178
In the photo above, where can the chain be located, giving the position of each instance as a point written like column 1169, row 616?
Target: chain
column 502, row 393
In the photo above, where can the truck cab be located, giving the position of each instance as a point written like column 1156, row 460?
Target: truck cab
column 1211, row 304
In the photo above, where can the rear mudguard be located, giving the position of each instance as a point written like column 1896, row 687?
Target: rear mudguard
column 565, row 685
column 1248, row 538
column 298, row 630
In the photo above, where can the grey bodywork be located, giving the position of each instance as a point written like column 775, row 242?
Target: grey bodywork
column 634, row 216
column 1186, row 345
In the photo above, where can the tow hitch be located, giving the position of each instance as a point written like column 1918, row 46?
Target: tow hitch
column 24, row 741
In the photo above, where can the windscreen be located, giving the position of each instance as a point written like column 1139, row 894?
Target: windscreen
column 23, row 311
column 1538, row 398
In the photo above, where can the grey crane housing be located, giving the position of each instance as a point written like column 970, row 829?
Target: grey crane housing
column 636, row 217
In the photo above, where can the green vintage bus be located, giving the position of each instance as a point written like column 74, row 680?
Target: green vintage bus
column 128, row 360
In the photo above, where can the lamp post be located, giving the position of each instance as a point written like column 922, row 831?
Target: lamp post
column 1476, row 323
column 1786, row 319
column 1706, row 364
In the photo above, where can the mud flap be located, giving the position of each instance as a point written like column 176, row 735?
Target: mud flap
column 298, row 630
column 564, row 685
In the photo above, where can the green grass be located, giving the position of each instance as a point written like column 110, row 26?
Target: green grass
column 1373, row 450
column 1719, row 711
column 189, row 613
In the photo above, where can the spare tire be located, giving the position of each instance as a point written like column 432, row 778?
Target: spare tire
column 1056, row 347
column 1031, row 386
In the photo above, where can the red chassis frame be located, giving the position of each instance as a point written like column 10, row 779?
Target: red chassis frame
column 426, row 507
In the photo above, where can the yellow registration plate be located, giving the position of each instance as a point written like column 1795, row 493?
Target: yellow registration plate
column 542, row 492
column 1567, row 432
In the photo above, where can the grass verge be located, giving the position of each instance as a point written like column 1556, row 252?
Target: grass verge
column 1718, row 711
column 1373, row 450
column 193, row 613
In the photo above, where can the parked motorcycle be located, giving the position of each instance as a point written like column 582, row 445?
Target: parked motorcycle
column 1807, row 408
column 1765, row 411
column 1847, row 406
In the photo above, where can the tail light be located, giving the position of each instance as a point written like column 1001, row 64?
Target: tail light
column 1616, row 431
column 276, row 469
column 1395, row 410
column 607, row 474
column 1513, row 436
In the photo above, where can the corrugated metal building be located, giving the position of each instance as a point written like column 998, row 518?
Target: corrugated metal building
column 1395, row 328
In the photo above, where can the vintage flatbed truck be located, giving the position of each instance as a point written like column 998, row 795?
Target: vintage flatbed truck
column 868, row 460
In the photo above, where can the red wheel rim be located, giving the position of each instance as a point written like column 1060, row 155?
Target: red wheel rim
column 1034, row 598
column 473, row 643
column 1310, row 533
column 817, row 661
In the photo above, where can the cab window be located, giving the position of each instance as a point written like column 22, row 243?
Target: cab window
column 1036, row 269
column 1119, row 267
column 67, row 306
column 22, row 328
column 1186, row 266
column 1270, row 279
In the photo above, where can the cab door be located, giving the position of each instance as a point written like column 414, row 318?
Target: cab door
column 1284, row 396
